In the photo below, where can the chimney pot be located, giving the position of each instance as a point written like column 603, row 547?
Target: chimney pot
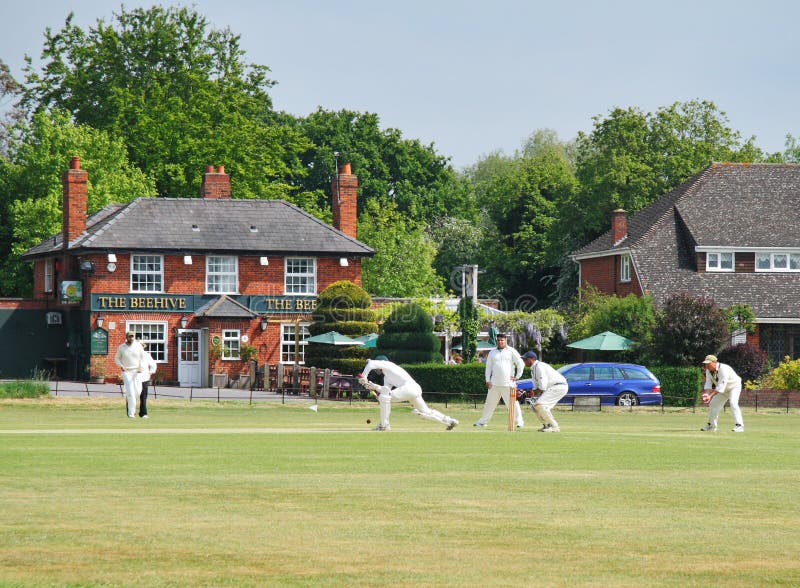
column 209, row 169
column 345, row 169
column 221, row 169
column 75, row 163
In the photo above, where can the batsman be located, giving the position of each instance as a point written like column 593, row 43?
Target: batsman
column 398, row 386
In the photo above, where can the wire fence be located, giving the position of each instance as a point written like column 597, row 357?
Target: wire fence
column 348, row 389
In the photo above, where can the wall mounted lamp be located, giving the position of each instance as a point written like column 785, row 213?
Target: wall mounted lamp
column 184, row 321
column 100, row 320
column 264, row 322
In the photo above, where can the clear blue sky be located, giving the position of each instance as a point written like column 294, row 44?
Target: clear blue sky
column 477, row 77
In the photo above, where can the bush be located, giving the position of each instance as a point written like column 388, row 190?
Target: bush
column 348, row 328
column 464, row 382
column 24, row 389
column 679, row 385
column 408, row 337
column 747, row 360
column 786, row 376
column 688, row 328
column 344, row 294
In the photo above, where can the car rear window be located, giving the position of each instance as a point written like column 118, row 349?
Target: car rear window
column 635, row 374
column 608, row 373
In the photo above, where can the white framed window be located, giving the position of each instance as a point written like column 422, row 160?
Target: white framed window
column 719, row 261
column 231, row 345
column 300, row 275
column 48, row 275
column 147, row 273
column 777, row 261
column 291, row 348
column 152, row 334
column 625, row 268
column 222, row 274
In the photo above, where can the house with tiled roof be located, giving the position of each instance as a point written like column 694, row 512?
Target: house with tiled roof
column 731, row 232
column 200, row 280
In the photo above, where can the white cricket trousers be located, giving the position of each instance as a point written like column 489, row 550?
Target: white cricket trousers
column 493, row 399
column 716, row 404
column 547, row 400
column 408, row 392
column 132, row 388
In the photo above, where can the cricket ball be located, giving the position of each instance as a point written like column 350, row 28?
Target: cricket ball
column 369, row 421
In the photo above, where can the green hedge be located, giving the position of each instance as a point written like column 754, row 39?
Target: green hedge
column 465, row 380
column 423, row 342
column 679, row 385
column 348, row 328
column 336, row 315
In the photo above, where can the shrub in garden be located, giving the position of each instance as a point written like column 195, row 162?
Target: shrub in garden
column 408, row 337
column 688, row 328
column 786, row 376
column 747, row 360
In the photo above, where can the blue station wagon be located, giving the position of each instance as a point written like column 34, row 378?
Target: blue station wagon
column 623, row 384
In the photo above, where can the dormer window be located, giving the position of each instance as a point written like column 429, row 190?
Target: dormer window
column 778, row 261
column 719, row 261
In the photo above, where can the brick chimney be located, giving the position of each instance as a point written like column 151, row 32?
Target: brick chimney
column 619, row 225
column 344, row 188
column 74, row 206
column 216, row 183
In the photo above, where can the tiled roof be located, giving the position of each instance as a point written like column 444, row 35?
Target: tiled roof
column 735, row 206
column 192, row 225
column 225, row 307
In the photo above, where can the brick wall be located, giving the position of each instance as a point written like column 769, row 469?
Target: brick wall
column 603, row 274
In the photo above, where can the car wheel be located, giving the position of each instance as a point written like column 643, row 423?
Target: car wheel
column 627, row 399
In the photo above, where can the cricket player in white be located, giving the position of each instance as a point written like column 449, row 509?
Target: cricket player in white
column 553, row 386
column 722, row 384
column 130, row 358
column 504, row 367
column 398, row 386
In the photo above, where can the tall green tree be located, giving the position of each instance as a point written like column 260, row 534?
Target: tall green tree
column 418, row 180
column 404, row 253
column 179, row 94
column 31, row 184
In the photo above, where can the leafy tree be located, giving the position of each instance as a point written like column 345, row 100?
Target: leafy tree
column 408, row 336
column 31, row 184
column 631, row 158
column 180, row 96
column 419, row 181
column 688, row 328
column 632, row 316
column 520, row 197
column 747, row 360
column 460, row 242
column 402, row 265
column 741, row 317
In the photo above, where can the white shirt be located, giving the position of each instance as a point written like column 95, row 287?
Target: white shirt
column 130, row 357
column 393, row 375
column 500, row 366
column 724, row 378
column 150, row 368
column 544, row 376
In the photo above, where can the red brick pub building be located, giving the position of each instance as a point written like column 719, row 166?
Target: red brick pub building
column 204, row 282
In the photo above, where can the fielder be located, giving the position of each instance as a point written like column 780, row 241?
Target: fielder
column 398, row 386
column 553, row 386
column 504, row 367
column 130, row 358
column 722, row 384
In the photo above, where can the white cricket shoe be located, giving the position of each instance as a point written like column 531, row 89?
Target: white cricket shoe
column 381, row 428
column 738, row 428
column 709, row 427
column 452, row 424
column 551, row 429
column 544, row 428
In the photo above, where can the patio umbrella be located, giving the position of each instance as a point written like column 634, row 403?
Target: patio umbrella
column 333, row 338
column 606, row 341
column 481, row 345
column 370, row 340
column 492, row 335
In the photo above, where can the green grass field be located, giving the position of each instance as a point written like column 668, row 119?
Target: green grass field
column 208, row 494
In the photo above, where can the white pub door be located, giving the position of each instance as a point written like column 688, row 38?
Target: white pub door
column 189, row 358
